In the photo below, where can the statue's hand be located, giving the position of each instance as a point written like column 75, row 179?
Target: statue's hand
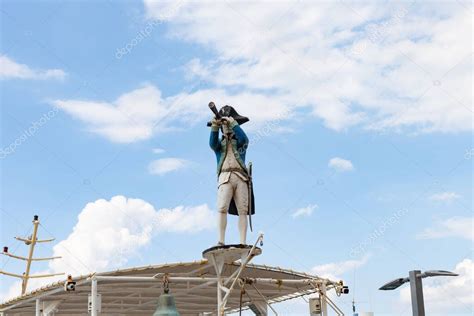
column 215, row 122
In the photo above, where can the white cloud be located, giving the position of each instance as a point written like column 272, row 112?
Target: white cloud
column 132, row 117
column 340, row 164
column 141, row 113
column 165, row 9
column 335, row 270
column 349, row 63
column 158, row 150
column 445, row 196
column 304, row 211
column 109, row 232
column 182, row 219
column 166, row 165
column 9, row 69
column 447, row 295
column 460, row 227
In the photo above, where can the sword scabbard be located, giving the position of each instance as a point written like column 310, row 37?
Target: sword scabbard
column 250, row 200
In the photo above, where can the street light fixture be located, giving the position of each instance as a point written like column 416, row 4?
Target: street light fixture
column 416, row 287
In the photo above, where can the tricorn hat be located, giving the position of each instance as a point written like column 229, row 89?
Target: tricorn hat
column 227, row 110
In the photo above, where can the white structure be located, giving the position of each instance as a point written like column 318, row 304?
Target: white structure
column 223, row 282
column 135, row 291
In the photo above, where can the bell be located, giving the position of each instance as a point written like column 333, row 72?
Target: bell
column 166, row 305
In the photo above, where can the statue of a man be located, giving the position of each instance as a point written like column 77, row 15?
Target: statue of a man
column 234, row 193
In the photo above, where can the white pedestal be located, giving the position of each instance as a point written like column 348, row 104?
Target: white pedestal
column 220, row 255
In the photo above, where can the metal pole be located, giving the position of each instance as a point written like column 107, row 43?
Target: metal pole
column 219, row 297
column 24, row 284
column 416, row 287
column 94, row 297
column 324, row 305
column 219, row 264
column 38, row 308
column 187, row 279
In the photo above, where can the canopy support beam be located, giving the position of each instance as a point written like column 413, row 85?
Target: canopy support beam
column 94, row 300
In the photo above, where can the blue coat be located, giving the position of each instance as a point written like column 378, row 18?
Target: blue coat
column 239, row 145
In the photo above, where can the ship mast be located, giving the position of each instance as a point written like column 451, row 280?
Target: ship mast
column 31, row 242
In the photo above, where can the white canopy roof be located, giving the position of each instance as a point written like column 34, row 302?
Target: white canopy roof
column 122, row 296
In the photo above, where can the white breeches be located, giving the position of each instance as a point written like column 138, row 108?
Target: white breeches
column 235, row 188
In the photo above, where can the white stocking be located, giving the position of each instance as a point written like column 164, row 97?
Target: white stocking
column 222, row 222
column 243, row 229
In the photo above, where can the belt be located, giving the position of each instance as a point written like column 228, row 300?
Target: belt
column 232, row 170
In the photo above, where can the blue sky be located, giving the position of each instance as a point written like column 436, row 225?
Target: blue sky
column 361, row 121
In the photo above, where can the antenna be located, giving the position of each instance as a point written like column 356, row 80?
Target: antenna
column 31, row 241
column 353, row 293
column 354, row 310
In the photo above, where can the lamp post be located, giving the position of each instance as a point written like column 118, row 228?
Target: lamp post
column 416, row 287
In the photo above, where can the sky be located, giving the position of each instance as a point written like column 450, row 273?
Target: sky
column 360, row 137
